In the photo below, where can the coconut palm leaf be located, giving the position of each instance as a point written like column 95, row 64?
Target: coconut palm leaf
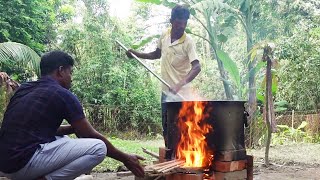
column 19, row 55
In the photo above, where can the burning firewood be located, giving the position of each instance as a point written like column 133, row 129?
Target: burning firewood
column 170, row 166
column 158, row 169
column 160, row 164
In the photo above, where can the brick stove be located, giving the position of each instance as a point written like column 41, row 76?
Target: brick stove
column 225, row 141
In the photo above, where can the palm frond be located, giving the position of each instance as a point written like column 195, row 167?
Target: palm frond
column 20, row 55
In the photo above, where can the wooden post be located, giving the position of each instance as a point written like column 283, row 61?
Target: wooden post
column 292, row 119
column 249, row 167
column 162, row 154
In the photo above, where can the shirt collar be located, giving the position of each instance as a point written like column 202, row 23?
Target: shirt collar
column 48, row 79
column 180, row 40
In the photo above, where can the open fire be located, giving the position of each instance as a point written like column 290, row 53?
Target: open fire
column 197, row 131
column 192, row 146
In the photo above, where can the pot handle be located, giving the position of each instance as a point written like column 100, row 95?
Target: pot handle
column 245, row 118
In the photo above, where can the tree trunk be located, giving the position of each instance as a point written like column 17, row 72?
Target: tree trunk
column 252, row 81
column 269, row 103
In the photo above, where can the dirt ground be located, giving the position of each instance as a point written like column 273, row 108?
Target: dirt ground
column 291, row 162
column 274, row 172
column 294, row 162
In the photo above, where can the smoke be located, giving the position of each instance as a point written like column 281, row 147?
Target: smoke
column 191, row 95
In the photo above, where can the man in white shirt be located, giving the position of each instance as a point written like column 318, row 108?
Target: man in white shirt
column 180, row 63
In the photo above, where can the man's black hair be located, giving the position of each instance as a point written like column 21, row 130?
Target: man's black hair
column 180, row 12
column 52, row 60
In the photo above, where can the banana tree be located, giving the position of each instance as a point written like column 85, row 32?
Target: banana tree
column 208, row 11
column 204, row 11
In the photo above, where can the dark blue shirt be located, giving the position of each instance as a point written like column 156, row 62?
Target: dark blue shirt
column 33, row 116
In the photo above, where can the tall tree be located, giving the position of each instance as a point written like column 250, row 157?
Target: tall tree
column 29, row 22
column 102, row 77
column 299, row 58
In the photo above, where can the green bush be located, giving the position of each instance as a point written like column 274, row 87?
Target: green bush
column 299, row 59
column 289, row 135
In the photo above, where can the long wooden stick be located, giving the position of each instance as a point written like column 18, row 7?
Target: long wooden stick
column 150, row 153
column 124, row 173
column 141, row 62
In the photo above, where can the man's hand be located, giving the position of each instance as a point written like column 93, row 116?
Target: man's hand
column 176, row 88
column 133, row 164
column 129, row 53
column 85, row 130
column 152, row 55
column 195, row 70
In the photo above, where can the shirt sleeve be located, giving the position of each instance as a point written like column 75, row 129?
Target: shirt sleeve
column 191, row 49
column 72, row 107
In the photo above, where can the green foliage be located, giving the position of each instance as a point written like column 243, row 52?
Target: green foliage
column 231, row 67
column 27, row 22
column 277, row 18
column 65, row 12
column 169, row 4
column 289, row 135
column 299, row 57
column 145, row 41
column 256, row 133
column 280, row 106
column 158, row 2
column 133, row 147
column 104, row 76
column 209, row 5
column 19, row 60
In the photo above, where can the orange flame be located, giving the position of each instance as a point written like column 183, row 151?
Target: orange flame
column 192, row 146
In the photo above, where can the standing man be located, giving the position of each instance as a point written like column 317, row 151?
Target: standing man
column 180, row 63
column 32, row 141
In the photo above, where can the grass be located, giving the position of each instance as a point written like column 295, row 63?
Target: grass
column 301, row 153
column 130, row 146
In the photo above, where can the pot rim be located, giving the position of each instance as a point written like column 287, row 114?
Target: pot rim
column 215, row 101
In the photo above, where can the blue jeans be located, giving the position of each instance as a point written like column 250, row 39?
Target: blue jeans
column 64, row 159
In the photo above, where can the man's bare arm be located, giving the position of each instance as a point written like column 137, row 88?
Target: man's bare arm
column 195, row 70
column 64, row 130
column 152, row 55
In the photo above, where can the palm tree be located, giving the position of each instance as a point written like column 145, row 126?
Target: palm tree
column 14, row 54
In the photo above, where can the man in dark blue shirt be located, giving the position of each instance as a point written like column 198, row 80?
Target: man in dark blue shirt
column 32, row 145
